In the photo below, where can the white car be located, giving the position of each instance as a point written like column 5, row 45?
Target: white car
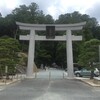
column 85, row 72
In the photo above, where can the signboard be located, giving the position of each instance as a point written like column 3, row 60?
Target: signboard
column 50, row 32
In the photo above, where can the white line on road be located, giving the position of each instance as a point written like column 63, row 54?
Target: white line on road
column 2, row 88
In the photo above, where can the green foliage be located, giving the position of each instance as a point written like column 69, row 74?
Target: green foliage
column 49, row 19
column 7, row 26
column 61, row 54
column 96, row 32
column 9, row 49
column 89, row 52
column 28, row 14
column 76, row 17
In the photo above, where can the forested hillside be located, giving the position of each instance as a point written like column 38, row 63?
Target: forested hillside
column 50, row 52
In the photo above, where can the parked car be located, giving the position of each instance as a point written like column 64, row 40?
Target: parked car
column 85, row 72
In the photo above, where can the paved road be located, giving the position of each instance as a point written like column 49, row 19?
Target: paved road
column 51, row 73
column 54, row 89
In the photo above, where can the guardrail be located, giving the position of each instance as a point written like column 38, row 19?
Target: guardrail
column 7, row 78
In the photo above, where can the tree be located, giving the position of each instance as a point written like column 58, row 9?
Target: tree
column 89, row 54
column 49, row 19
column 87, row 32
column 76, row 17
column 9, row 49
column 28, row 14
column 8, row 26
column 61, row 54
column 96, row 32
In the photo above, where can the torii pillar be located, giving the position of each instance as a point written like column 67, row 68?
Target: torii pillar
column 31, row 52
column 69, row 54
column 59, row 27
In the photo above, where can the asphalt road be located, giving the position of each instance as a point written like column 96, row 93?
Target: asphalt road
column 54, row 89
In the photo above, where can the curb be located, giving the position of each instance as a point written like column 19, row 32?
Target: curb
column 91, row 83
column 7, row 83
column 87, row 81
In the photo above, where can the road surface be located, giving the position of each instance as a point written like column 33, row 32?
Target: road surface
column 53, row 89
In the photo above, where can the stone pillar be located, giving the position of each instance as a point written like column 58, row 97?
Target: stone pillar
column 69, row 54
column 29, row 73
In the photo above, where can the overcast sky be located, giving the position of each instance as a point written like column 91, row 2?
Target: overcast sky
column 56, row 7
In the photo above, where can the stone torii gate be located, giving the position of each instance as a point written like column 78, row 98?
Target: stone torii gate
column 32, row 37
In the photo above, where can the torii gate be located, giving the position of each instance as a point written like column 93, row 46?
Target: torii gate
column 58, row 27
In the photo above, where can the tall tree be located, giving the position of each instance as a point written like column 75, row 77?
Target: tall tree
column 89, row 52
column 49, row 19
column 7, row 26
column 9, row 49
column 89, row 55
column 87, row 31
column 96, row 32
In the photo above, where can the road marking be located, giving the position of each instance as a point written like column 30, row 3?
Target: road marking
column 50, row 96
column 2, row 89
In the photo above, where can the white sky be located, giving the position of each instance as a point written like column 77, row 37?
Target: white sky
column 56, row 7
